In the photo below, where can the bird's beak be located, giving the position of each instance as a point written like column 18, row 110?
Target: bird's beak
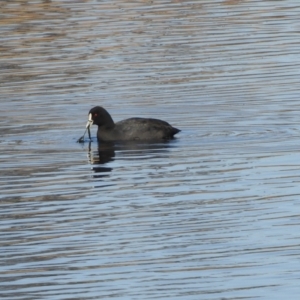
column 89, row 122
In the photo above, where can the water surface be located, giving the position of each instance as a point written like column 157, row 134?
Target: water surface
column 212, row 214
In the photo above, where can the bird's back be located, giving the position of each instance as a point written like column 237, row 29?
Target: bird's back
column 144, row 129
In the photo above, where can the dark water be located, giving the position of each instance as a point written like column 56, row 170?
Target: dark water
column 213, row 214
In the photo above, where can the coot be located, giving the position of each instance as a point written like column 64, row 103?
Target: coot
column 130, row 129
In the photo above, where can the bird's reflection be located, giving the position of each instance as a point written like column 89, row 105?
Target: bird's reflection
column 106, row 152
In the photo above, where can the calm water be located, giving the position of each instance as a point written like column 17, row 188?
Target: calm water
column 213, row 214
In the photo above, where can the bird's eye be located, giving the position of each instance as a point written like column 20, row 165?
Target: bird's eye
column 95, row 115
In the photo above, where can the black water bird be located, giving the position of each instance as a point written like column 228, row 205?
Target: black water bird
column 133, row 129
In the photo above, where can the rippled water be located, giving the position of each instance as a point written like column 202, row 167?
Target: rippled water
column 213, row 214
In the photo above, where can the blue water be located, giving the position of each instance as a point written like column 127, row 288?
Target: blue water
column 213, row 214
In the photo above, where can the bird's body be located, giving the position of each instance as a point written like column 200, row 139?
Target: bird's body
column 133, row 129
